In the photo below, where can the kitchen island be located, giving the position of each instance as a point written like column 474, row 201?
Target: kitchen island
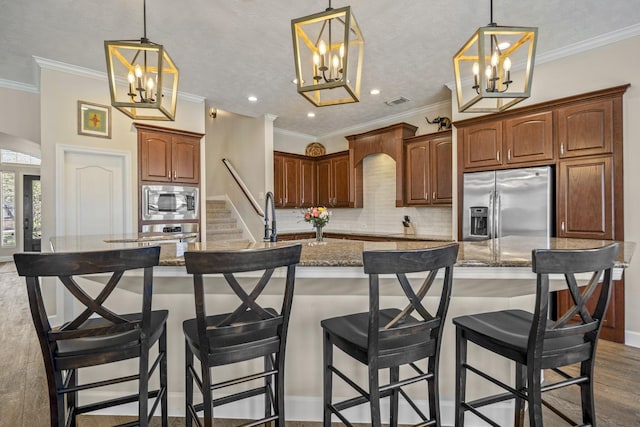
column 489, row 275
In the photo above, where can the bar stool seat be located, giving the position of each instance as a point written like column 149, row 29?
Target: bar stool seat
column 351, row 336
column 233, row 347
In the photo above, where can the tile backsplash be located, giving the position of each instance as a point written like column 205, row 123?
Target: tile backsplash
column 379, row 213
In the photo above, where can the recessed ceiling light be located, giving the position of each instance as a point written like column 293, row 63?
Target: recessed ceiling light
column 375, row 92
column 252, row 99
column 311, row 114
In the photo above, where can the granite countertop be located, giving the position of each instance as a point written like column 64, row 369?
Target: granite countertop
column 513, row 251
column 356, row 234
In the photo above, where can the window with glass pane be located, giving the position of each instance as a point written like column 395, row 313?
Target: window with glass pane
column 36, row 205
column 8, row 222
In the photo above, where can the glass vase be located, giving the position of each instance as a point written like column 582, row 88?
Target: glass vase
column 318, row 233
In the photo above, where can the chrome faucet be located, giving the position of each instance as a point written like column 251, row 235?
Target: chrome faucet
column 270, row 233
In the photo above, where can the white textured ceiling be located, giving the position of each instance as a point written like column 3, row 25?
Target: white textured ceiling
column 228, row 50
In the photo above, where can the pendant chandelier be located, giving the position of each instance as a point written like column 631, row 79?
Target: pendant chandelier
column 328, row 49
column 494, row 69
column 143, row 80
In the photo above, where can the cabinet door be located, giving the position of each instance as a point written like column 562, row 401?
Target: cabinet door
column 340, row 178
column 482, row 145
column 185, row 160
column 307, row 183
column 529, row 138
column 291, row 182
column 441, row 171
column 417, row 173
column 278, row 180
column 154, row 149
column 586, row 129
column 323, row 173
column 585, row 198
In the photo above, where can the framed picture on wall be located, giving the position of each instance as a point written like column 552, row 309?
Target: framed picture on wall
column 94, row 119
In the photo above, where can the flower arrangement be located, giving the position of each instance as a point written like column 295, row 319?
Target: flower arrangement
column 318, row 216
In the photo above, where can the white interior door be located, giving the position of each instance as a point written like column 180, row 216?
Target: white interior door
column 94, row 193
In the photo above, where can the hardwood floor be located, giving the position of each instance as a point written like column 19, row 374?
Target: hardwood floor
column 24, row 403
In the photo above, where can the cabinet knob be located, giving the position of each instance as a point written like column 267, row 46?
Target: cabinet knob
column 562, row 149
column 175, row 174
column 433, row 196
column 169, row 173
column 497, row 156
column 562, row 226
column 509, row 154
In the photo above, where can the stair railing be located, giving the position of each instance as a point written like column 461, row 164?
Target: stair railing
column 243, row 187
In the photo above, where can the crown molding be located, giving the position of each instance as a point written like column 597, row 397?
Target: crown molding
column 23, row 87
column 285, row 132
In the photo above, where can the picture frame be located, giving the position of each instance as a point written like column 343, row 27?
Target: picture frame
column 94, row 119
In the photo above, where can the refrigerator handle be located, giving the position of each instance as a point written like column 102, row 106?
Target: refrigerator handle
column 498, row 208
column 490, row 220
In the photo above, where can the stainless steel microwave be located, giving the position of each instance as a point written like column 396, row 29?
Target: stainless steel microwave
column 169, row 202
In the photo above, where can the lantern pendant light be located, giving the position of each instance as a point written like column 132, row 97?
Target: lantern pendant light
column 494, row 68
column 143, row 80
column 328, row 50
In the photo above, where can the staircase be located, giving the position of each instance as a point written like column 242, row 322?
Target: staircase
column 222, row 226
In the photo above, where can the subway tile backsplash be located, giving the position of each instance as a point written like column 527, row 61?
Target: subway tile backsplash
column 379, row 213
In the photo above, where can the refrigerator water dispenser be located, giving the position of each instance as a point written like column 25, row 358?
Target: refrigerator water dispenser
column 479, row 220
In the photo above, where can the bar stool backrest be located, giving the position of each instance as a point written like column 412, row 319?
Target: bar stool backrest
column 229, row 263
column 65, row 266
column 582, row 319
column 401, row 263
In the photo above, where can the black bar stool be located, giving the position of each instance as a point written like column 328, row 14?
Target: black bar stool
column 535, row 342
column 247, row 332
column 98, row 335
column 391, row 337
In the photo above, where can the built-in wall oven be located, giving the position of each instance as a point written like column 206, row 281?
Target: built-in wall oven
column 169, row 203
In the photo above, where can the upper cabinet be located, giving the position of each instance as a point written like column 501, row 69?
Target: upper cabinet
column 502, row 143
column 168, row 155
column 286, row 177
column 528, row 138
column 333, row 180
column 428, row 169
column 586, row 128
column 302, row 181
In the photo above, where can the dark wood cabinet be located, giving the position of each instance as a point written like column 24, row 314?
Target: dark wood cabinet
column 428, row 170
column 482, row 145
column 333, row 180
column 586, row 128
column 511, row 142
column 307, row 183
column 167, row 155
column 528, row 138
column 286, row 177
column 585, row 198
column 302, row 181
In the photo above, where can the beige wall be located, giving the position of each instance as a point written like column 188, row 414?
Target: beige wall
column 20, row 114
column 248, row 144
column 600, row 68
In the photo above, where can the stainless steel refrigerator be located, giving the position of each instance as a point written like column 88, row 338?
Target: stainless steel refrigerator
column 514, row 202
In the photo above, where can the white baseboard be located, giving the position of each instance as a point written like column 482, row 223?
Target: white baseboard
column 300, row 408
column 632, row 338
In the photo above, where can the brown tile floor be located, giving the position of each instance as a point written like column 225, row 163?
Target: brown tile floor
column 23, row 396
